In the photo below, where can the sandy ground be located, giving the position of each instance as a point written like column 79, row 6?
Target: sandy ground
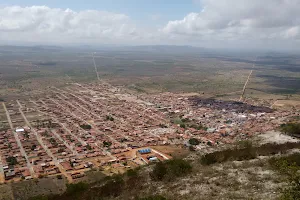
column 276, row 137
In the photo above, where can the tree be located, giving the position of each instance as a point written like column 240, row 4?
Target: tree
column 107, row 144
column 33, row 147
column 109, row 118
column 170, row 169
column 11, row 161
column 291, row 128
column 182, row 125
column 88, row 147
column 194, row 141
column 86, row 126
column 154, row 197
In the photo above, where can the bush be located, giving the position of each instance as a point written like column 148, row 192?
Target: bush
column 194, row 141
column 59, row 176
column 292, row 192
column 39, row 198
column 112, row 187
column 154, row 197
column 170, row 169
column 229, row 154
column 182, row 125
column 109, row 118
column 163, row 126
column 75, row 188
column 107, row 144
column 291, row 128
column 287, row 165
column 11, row 160
column 86, row 126
column 247, row 153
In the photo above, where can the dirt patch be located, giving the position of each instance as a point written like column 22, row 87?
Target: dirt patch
column 6, row 192
column 46, row 186
column 172, row 151
column 276, row 137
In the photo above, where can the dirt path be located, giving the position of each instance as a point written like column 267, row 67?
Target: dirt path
column 244, row 89
column 19, row 142
column 39, row 139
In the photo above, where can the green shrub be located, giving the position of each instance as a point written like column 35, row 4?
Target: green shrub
column 287, row 165
column 107, row 144
column 229, row 154
column 109, row 118
column 291, row 128
column 11, row 160
column 194, row 141
column 86, row 126
column 39, row 198
column 292, row 192
column 182, row 125
column 112, row 187
column 75, row 188
column 159, row 171
column 170, row 169
column 154, row 197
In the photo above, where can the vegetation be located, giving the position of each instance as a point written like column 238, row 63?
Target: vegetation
column 194, row 141
column 86, row 126
column 109, row 118
column 155, row 197
column 53, row 142
column 170, row 169
column 163, row 126
column 246, row 153
column 107, row 144
column 188, row 123
column 11, row 161
column 291, row 129
column 290, row 166
column 88, row 147
column 112, row 187
column 75, row 188
column 292, row 192
column 59, row 176
column 40, row 197
column 60, row 150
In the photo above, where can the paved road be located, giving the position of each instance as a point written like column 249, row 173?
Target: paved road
column 39, row 139
column 19, row 142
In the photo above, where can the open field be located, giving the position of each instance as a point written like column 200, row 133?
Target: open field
column 29, row 70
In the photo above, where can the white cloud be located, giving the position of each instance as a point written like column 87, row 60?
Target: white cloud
column 221, row 23
column 44, row 24
column 240, row 20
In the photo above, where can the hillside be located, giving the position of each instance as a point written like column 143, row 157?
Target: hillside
column 256, row 169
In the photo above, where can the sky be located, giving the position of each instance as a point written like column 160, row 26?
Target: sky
column 232, row 24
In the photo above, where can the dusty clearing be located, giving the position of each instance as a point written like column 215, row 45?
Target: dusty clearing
column 276, row 137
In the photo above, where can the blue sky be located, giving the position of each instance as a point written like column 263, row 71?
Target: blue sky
column 138, row 10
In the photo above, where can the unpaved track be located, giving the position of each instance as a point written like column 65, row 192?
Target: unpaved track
column 39, row 139
column 19, row 142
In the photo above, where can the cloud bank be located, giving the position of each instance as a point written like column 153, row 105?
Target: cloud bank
column 219, row 23
column 240, row 20
column 41, row 23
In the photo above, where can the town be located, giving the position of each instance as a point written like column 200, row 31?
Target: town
column 66, row 132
